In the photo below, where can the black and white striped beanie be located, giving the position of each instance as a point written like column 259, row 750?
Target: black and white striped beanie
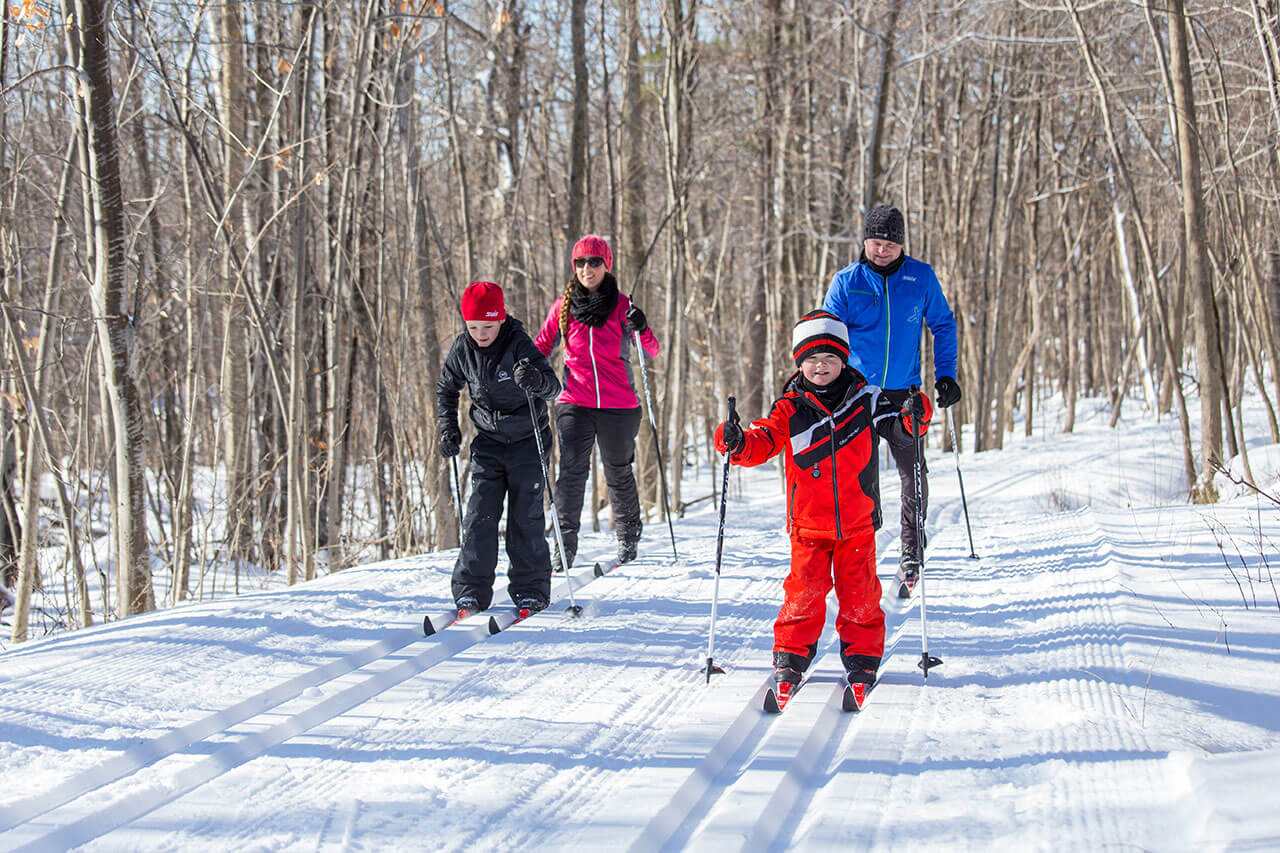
column 819, row 331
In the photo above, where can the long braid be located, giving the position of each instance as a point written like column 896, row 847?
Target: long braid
column 564, row 312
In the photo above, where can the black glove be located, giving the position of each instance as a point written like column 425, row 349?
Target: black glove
column 528, row 377
column 733, row 436
column 636, row 319
column 450, row 440
column 948, row 391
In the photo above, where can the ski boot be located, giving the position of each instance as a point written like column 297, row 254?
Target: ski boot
column 860, row 676
column 467, row 605
column 527, row 605
column 908, row 574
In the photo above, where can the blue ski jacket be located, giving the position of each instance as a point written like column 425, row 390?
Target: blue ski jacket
column 884, row 315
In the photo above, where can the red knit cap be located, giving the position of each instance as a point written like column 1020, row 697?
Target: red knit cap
column 592, row 246
column 482, row 302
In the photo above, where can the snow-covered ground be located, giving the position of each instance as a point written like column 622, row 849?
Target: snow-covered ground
column 1110, row 680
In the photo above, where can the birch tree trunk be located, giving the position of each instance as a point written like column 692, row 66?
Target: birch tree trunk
column 234, row 378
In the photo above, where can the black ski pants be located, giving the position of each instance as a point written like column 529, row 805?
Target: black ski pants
column 614, row 431
column 511, row 474
column 904, row 456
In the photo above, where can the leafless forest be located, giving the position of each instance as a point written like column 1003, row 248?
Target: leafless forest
column 233, row 234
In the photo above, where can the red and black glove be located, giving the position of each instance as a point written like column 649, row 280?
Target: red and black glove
column 729, row 436
column 916, row 409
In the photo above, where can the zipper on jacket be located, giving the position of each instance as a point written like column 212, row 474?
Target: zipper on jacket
column 884, row 374
column 831, row 426
column 835, row 490
column 595, row 371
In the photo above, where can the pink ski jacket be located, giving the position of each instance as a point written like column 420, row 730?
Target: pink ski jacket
column 597, row 360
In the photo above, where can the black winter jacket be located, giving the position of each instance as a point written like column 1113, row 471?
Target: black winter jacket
column 499, row 408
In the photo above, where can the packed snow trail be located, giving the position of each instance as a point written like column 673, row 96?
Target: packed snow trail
column 160, row 771
column 1088, row 699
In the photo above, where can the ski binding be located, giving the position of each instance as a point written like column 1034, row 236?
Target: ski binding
column 854, row 696
column 779, row 694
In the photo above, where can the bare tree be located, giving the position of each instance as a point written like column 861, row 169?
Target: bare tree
column 1208, row 346
column 88, row 41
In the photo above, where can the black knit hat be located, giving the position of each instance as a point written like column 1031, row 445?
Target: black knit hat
column 819, row 331
column 884, row 223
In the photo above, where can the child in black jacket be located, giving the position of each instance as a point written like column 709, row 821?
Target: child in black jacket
column 503, row 372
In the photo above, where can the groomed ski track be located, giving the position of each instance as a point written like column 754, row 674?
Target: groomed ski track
column 600, row 733
column 80, row 808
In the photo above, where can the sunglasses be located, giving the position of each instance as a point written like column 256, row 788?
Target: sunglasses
column 588, row 262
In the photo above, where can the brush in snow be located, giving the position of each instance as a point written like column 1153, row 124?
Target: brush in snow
column 787, row 683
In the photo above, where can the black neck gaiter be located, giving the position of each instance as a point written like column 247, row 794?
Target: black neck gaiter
column 829, row 395
column 593, row 307
column 888, row 269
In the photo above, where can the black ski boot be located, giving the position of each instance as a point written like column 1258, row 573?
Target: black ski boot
column 570, row 551
column 908, row 574
column 628, row 542
column 860, row 674
column 467, row 604
column 529, row 605
column 788, row 673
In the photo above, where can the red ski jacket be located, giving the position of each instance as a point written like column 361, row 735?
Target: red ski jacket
column 832, row 482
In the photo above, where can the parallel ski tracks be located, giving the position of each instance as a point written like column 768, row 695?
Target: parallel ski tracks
column 538, row 786
column 1090, row 729
column 760, row 764
column 772, row 767
column 117, row 791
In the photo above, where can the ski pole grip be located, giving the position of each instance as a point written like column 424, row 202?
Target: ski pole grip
column 733, row 413
column 911, row 395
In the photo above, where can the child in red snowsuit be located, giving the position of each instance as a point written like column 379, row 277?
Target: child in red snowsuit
column 826, row 422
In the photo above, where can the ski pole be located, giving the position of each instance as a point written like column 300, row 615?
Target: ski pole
column 457, row 494
column 973, row 555
column 712, row 669
column 555, row 515
column 926, row 660
column 657, row 446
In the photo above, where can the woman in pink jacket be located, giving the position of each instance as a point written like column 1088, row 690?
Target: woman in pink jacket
column 599, row 403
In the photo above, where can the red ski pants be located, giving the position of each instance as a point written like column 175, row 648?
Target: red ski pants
column 816, row 565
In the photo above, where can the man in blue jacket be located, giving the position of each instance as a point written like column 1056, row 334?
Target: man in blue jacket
column 884, row 298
